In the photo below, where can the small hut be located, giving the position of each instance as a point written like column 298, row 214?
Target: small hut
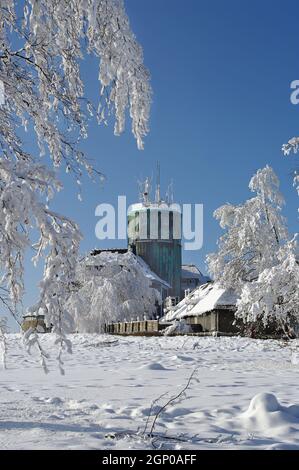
column 36, row 322
column 209, row 308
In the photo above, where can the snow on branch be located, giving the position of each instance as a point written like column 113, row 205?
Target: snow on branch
column 254, row 231
column 111, row 287
column 41, row 78
column 292, row 146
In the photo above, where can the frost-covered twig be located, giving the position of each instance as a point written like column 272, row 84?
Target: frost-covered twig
column 30, row 340
column 3, row 347
column 292, row 146
column 169, row 402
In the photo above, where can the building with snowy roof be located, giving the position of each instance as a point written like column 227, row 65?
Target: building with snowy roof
column 209, row 308
column 191, row 277
column 156, row 282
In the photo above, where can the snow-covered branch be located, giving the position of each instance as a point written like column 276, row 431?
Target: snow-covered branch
column 254, row 232
column 111, row 287
column 292, row 146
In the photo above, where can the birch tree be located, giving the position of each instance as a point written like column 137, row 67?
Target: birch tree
column 274, row 296
column 256, row 257
column 254, row 232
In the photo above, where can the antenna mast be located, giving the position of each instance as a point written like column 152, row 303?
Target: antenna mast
column 169, row 193
column 158, row 188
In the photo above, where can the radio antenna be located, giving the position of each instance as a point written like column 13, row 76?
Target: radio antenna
column 158, row 187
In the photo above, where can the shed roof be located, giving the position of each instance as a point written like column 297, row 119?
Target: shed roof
column 204, row 299
column 190, row 271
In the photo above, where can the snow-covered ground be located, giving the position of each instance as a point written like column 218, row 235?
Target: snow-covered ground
column 110, row 382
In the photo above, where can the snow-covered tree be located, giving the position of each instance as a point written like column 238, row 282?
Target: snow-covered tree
column 111, row 287
column 274, row 296
column 255, row 231
column 42, row 45
column 292, row 146
column 256, row 259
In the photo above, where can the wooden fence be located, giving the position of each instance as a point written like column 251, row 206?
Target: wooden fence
column 152, row 328
column 145, row 327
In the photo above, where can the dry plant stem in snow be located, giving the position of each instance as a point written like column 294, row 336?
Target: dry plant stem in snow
column 171, row 401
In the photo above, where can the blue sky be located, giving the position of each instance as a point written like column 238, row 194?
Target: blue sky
column 221, row 74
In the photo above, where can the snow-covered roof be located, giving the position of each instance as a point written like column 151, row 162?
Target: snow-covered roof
column 190, row 271
column 204, row 299
column 102, row 257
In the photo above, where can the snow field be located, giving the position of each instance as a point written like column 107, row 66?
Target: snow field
column 244, row 395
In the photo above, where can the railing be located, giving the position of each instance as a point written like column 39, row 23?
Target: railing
column 134, row 327
column 154, row 328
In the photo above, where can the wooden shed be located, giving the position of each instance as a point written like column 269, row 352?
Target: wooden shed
column 37, row 322
column 209, row 308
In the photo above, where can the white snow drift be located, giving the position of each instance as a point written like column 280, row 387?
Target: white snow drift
column 245, row 395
